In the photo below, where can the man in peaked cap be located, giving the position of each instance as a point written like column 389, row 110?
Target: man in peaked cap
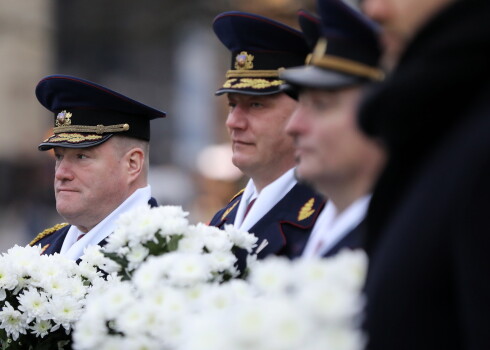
column 100, row 143
column 273, row 205
column 332, row 154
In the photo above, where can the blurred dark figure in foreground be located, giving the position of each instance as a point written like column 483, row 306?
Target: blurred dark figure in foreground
column 428, row 286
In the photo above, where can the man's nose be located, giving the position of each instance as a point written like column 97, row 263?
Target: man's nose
column 63, row 170
column 236, row 118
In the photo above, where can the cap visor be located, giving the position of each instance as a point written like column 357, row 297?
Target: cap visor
column 73, row 140
column 315, row 77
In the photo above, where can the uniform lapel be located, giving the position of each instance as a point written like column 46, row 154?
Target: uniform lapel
column 286, row 227
column 53, row 243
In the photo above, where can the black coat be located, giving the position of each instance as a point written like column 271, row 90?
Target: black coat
column 354, row 239
column 428, row 236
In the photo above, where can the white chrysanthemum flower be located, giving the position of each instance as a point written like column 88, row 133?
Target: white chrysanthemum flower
column 65, row 311
column 12, row 321
column 116, row 298
column 32, row 303
column 247, row 324
column 338, row 338
column 351, row 266
column 118, row 239
column 142, row 343
column 287, row 322
column 113, row 342
column 41, row 328
column 75, row 287
column 93, row 255
column 241, row 239
column 214, row 239
column 241, row 289
column 136, row 255
column 55, row 286
column 90, row 329
column 223, row 261
column 272, row 275
column 330, row 301
column 8, row 275
column 149, row 274
column 205, row 332
column 216, row 297
column 191, row 244
column 132, row 319
column 186, row 269
column 170, row 211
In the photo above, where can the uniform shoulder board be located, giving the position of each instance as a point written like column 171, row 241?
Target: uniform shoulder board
column 47, row 232
column 236, row 195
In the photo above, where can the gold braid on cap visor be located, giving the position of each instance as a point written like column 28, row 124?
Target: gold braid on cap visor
column 320, row 59
column 243, row 78
column 97, row 129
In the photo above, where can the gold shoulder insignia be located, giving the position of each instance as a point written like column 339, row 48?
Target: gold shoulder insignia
column 227, row 211
column 47, row 232
column 43, row 249
column 236, row 195
column 306, row 211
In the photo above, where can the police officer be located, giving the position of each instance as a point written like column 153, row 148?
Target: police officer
column 100, row 143
column 273, row 205
column 332, row 153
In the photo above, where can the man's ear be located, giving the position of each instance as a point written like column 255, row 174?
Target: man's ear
column 135, row 162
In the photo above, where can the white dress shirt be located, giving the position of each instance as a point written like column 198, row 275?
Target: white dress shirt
column 265, row 200
column 331, row 227
column 73, row 249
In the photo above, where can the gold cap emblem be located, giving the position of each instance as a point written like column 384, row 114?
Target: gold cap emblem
column 63, row 118
column 244, row 60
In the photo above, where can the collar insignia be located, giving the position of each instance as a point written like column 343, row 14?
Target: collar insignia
column 305, row 212
column 43, row 249
column 244, row 61
column 63, row 118
column 225, row 214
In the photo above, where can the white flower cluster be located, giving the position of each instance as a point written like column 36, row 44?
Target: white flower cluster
column 40, row 295
column 169, row 264
column 174, row 252
column 283, row 305
column 303, row 304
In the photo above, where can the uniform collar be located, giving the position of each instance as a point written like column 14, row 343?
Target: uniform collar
column 73, row 249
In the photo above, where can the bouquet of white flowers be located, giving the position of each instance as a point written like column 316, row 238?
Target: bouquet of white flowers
column 283, row 305
column 159, row 266
column 175, row 252
column 40, row 298
column 303, row 304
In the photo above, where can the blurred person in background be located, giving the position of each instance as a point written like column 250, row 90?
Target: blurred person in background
column 100, row 143
column 332, row 154
column 273, row 206
column 427, row 285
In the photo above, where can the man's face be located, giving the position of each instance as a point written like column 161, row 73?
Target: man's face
column 400, row 20
column 256, row 125
column 330, row 149
column 89, row 183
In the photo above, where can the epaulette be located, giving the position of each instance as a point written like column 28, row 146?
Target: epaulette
column 236, row 195
column 47, row 232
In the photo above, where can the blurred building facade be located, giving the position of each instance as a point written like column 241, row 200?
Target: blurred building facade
column 161, row 52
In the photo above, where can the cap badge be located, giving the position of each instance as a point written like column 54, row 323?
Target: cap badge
column 244, row 60
column 63, row 118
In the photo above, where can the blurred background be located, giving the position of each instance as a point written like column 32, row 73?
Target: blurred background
column 160, row 52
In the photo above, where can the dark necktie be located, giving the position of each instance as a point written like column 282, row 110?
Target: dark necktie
column 249, row 206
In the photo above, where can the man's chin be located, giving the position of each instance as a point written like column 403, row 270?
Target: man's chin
column 302, row 179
